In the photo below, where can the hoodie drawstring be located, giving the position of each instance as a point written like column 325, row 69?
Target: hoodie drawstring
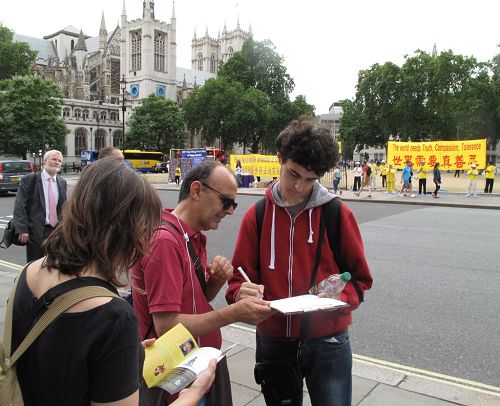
column 271, row 260
column 310, row 239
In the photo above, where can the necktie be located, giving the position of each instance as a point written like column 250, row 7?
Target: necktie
column 52, row 204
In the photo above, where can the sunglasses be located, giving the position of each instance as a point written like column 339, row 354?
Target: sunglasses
column 226, row 201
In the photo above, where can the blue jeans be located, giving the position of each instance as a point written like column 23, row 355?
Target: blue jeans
column 336, row 185
column 325, row 363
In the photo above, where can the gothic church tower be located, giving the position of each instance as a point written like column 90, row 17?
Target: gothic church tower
column 148, row 54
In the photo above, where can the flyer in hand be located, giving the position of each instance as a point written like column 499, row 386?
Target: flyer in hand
column 175, row 360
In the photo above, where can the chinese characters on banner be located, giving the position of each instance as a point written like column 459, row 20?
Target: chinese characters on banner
column 449, row 154
column 265, row 166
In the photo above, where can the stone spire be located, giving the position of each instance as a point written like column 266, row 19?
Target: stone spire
column 124, row 12
column 206, row 31
column 434, row 51
column 103, row 34
column 173, row 9
column 124, row 15
column 81, row 45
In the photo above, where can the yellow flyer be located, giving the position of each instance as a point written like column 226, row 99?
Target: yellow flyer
column 175, row 360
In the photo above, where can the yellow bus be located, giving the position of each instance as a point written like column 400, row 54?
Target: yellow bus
column 143, row 161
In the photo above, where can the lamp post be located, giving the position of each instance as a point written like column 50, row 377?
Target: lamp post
column 123, row 85
column 220, row 139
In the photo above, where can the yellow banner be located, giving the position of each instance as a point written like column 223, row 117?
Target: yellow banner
column 449, row 154
column 265, row 166
column 340, row 146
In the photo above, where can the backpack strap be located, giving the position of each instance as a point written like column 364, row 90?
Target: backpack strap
column 260, row 209
column 332, row 213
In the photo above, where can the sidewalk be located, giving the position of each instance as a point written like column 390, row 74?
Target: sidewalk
column 374, row 384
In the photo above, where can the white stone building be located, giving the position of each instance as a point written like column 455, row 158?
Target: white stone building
column 90, row 72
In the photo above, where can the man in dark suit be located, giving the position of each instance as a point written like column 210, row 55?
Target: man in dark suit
column 38, row 204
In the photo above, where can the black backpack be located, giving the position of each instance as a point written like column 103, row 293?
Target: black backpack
column 331, row 213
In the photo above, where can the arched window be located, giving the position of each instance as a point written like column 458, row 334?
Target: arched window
column 80, row 140
column 200, row 61
column 78, row 114
column 100, row 136
column 160, row 52
column 72, row 44
column 103, row 115
column 212, row 64
column 230, row 51
column 85, row 114
column 112, row 116
column 136, row 50
column 117, row 138
column 66, row 112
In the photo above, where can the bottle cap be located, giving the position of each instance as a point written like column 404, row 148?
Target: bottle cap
column 345, row 277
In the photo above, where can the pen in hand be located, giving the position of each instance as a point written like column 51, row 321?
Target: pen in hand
column 243, row 273
column 247, row 279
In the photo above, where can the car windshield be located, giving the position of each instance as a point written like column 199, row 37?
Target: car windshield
column 16, row 167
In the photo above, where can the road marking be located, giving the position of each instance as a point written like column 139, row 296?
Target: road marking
column 11, row 265
column 422, row 373
column 4, row 221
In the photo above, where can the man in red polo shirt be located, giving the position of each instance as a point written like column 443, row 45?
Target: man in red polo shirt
column 175, row 283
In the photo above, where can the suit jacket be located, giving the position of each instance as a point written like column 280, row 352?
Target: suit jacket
column 29, row 207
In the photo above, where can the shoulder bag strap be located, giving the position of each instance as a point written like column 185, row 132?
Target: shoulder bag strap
column 57, row 307
column 200, row 273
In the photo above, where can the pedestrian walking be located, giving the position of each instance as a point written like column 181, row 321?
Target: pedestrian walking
column 366, row 179
column 436, row 178
column 337, row 176
column 406, row 180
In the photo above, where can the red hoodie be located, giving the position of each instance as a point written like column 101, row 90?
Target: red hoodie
column 287, row 254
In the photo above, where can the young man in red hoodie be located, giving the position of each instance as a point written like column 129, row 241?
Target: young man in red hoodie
column 280, row 264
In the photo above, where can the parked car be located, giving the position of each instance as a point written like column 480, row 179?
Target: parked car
column 161, row 167
column 11, row 173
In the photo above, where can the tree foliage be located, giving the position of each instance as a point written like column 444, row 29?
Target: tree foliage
column 16, row 58
column 157, row 124
column 249, row 102
column 446, row 97
column 30, row 116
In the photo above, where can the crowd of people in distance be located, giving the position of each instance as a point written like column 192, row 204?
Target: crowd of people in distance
column 365, row 178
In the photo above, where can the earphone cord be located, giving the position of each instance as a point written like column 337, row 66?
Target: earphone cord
column 186, row 240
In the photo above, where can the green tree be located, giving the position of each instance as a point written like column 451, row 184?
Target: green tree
column 258, row 65
column 156, row 124
column 30, row 116
column 212, row 111
column 16, row 58
column 446, row 97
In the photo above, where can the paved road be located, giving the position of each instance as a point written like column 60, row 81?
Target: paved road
column 435, row 301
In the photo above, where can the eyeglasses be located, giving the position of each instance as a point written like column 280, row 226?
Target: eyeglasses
column 226, row 201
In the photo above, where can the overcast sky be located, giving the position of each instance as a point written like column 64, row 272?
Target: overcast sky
column 324, row 42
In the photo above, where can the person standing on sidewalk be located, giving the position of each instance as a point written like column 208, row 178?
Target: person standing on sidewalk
column 177, row 174
column 38, row 206
column 436, row 178
column 472, row 174
column 358, row 173
column 373, row 175
column 490, row 178
column 391, row 179
column 422, row 179
column 384, row 170
column 280, row 262
column 175, row 283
